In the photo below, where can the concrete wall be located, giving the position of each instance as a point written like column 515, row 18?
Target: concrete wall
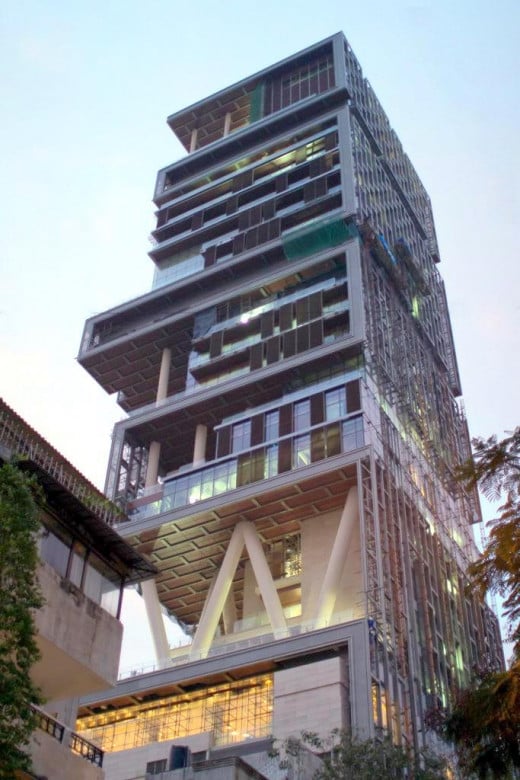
column 131, row 764
column 310, row 697
column 55, row 761
column 79, row 642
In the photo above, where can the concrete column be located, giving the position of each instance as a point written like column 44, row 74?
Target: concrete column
column 227, row 123
column 331, row 580
column 229, row 614
column 216, row 599
column 193, row 140
column 152, row 469
column 164, row 375
column 265, row 580
column 199, row 448
column 156, row 622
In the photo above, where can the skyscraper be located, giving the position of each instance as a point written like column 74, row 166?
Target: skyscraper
column 293, row 428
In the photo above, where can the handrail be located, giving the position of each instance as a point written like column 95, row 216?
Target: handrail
column 76, row 743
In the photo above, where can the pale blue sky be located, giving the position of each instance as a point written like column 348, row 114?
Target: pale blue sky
column 85, row 89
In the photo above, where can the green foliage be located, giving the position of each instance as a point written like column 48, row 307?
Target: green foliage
column 484, row 721
column 484, row 724
column 343, row 757
column 19, row 596
column 496, row 469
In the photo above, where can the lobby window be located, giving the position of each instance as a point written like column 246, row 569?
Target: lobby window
column 241, row 436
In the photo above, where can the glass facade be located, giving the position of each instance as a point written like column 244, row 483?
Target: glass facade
column 232, row 712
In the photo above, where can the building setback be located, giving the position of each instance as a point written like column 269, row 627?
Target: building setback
column 288, row 458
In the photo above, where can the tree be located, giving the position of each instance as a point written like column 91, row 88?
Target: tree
column 484, row 724
column 19, row 596
column 495, row 468
column 484, row 721
column 344, row 757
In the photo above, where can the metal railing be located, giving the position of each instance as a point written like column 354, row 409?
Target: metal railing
column 82, row 747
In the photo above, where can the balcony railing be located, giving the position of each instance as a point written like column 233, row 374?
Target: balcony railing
column 79, row 745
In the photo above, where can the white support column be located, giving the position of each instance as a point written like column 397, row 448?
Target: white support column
column 331, row 580
column 152, row 469
column 264, row 580
column 229, row 614
column 227, row 123
column 199, row 448
column 156, row 622
column 216, row 598
column 164, row 375
column 193, row 140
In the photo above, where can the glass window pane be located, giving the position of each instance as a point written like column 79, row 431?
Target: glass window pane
column 76, row 565
column 194, row 488
column 180, row 492
column 353, row 434
column 93, row 584
column 241, row 436
column 301, row 451
column 271, row 425
column 54, row 552
column 271, row 461
column 207, row 484
column 335, row 404
column 302, row 415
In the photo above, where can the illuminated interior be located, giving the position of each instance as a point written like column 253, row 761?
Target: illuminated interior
column 232, row 712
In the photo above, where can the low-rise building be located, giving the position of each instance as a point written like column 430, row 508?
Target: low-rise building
column 83, row 570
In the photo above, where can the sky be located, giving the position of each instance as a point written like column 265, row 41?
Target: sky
column 85, row 89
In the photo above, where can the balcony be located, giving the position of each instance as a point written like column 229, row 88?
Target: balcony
column 60, row 753
column 259, row 463
column 79, row 641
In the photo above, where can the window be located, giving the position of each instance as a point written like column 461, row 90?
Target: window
column 156, row 767
column 241, row 436
column 335, row 404
column 271, row 461
column 54, row 551
column 272, row 420
column 301, row 451
column 353, row 434
column 302, row 415
column 77, row 564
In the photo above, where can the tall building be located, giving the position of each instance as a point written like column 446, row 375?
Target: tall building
column 293, row 427
column 83, row 569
